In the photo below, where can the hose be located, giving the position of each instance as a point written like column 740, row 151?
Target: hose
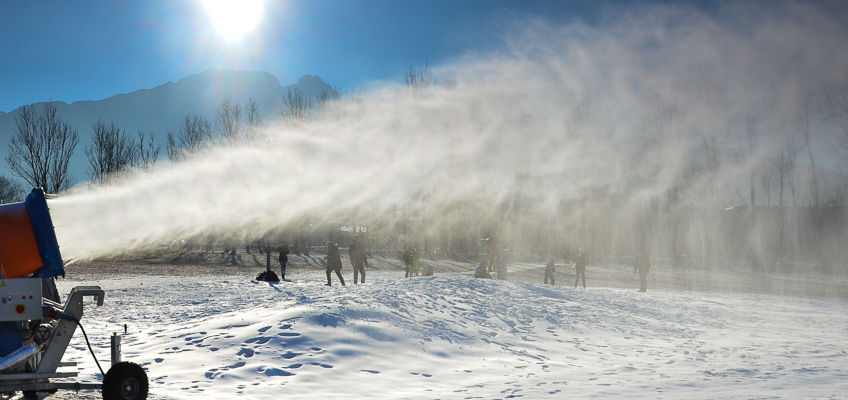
column 89, row 346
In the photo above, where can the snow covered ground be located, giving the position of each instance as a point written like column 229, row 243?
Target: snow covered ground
column 218, row 335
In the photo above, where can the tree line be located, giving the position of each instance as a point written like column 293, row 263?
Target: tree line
column 43, row 143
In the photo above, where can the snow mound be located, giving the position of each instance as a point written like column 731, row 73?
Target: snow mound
column 452, row 336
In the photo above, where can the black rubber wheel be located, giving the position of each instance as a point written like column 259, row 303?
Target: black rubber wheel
column 30, row 394
column 125, row 381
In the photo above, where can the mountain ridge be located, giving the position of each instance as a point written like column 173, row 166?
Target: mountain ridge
column 161, row 109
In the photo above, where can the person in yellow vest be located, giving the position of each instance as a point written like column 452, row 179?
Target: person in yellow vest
column 407, row 259
column 416, row 264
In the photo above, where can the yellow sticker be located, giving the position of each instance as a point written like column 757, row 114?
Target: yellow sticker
column 3, row 284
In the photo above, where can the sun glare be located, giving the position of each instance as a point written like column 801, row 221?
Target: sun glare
column 234, row 18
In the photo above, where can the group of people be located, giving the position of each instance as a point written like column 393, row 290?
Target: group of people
column 581, row 259
column 411, row 261
column 358, row 259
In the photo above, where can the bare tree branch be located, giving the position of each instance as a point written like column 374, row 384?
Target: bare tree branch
column 11, row 191
column 228, row 121
column 146, row 155
column 254, row 120
column 296, row 107
column 41, row 150
column 194, row 133
column 111, row 152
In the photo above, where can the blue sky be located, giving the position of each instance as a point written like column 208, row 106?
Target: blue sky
column 90, row 50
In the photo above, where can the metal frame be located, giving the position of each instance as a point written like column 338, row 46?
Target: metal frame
column 51, row 355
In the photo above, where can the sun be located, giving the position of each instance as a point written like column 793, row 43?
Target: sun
column 234, row 18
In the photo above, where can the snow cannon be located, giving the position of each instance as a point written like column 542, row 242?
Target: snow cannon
column 35, row 329
column 28, row 242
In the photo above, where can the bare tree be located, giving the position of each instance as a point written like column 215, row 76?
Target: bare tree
column 327, row 101
column 296, row 107
column 195, row 130
column 751, row 160
column 111, row 152
column 805, row 117
column 41, row 150
column 146, row 153
column 228, row 121
column 791, row 172
column 713, row 142
column 784, row 162
column 173, row 148
column 766, row 179
column 10, row 191
column 254, row 120
column 834, row 101
column 418, row 81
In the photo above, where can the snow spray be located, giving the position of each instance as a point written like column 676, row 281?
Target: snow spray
column 638, row 113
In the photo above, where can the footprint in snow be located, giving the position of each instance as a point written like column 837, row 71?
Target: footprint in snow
column 277, row 372
column 216, row 372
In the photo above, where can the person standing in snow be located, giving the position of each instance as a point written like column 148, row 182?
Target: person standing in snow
column 580, row 262
column 416, row 264
column 549, row 271
column 356, row 251
column 283, row 248
column 334, row 263
column 493, row 247
column 407, row 258
column 642, row 266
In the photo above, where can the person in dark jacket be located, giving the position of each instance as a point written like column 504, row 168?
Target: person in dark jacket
column 580, row 262
column 549, row 271
column 334, row 263
column 482, row 271
column 493, row 247
column 642, row 266
column 356, row 252
column 407, row 258
column 283, row 248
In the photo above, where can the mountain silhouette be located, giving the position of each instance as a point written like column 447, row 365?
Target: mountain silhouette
column 161, row 109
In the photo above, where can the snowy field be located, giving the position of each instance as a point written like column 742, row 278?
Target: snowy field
column 219, row 334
